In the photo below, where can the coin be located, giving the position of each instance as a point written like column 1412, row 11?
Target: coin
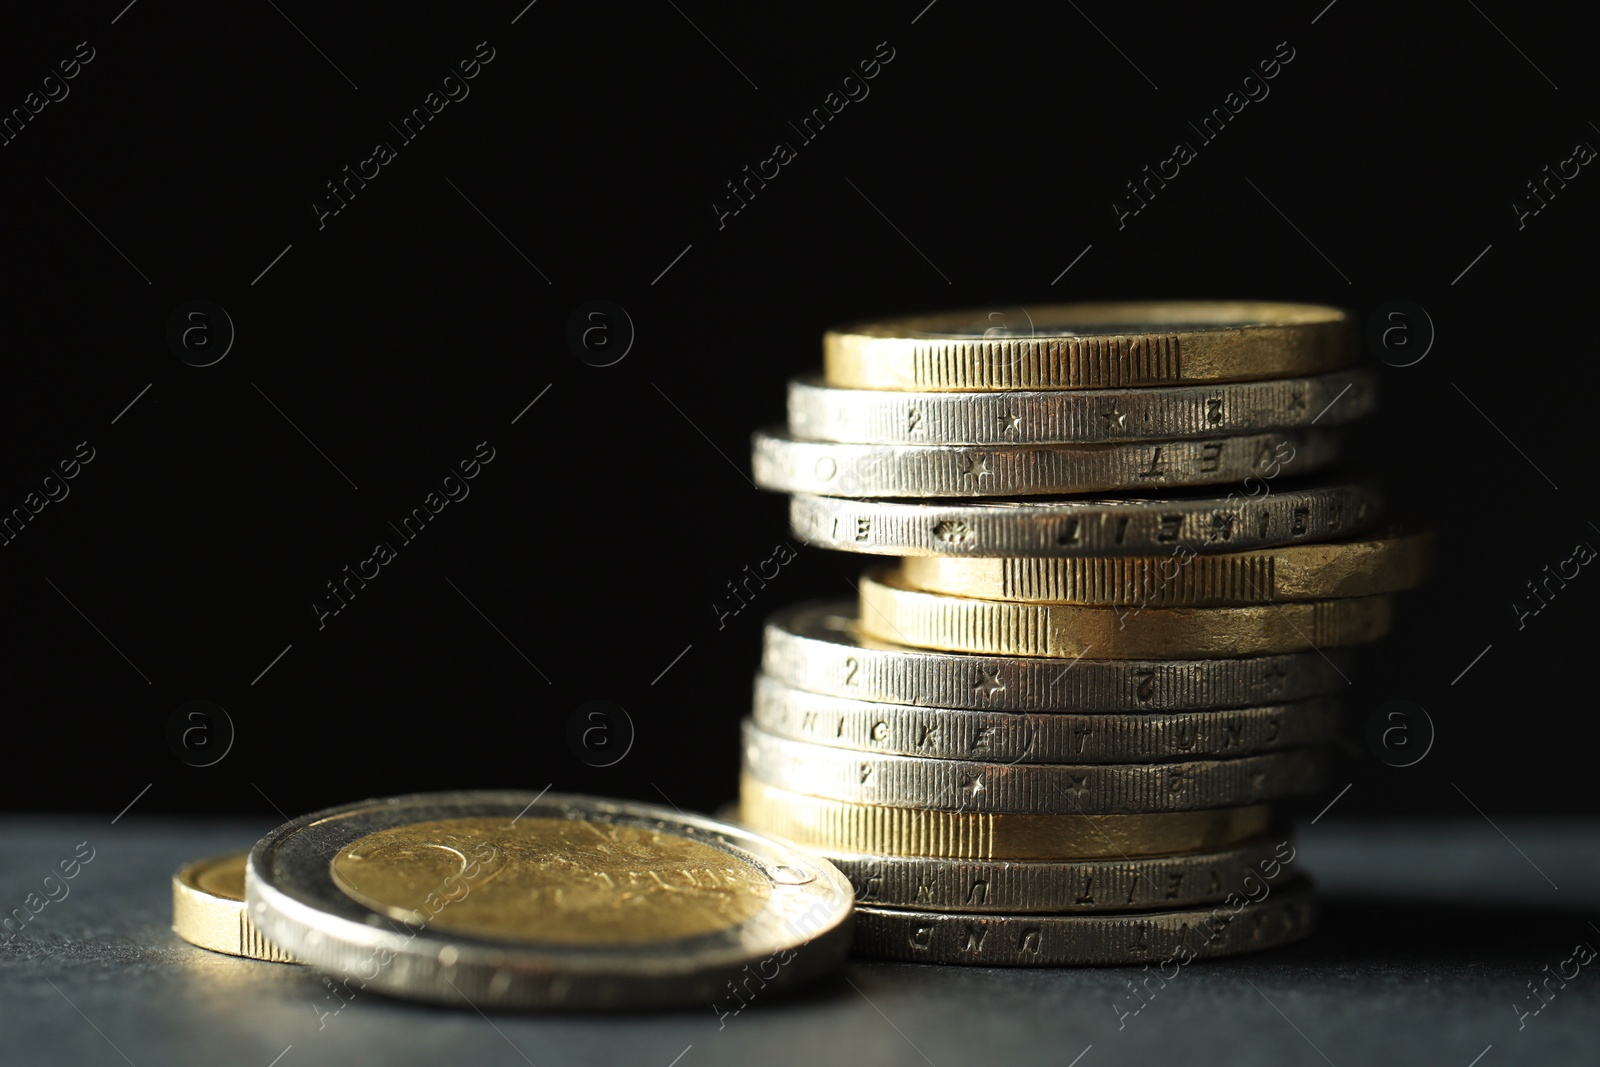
column 892, row 612
column 1173, row 937
column 1023, row 737
column 1318, row 571
column 1061, row 886
column 530, row 901
column 1091, row 346
column 788, row 465
column 1029, row 788
column 208, row 909
column 1177, row 524
column 820, row 823
column 819, row 412
column 819, row 648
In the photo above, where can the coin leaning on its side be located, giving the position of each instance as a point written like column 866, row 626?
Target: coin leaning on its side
column 819, row 648
column 786, row 464
column 819, row 412
column 1173, row 936
column 1032, row 737
column 1091, row 346
column 1261, row 514
column 524, row 900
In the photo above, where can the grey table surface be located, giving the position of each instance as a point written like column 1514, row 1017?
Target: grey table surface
column 1433, row 937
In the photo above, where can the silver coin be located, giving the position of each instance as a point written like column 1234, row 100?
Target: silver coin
column 819, row 412
column 783, row 463
column 816, row 647
column 1050, row 737
column 1176, row 525
column 1172, row 937
column 1028, row 788
column 565, row 901
column 1061, row 887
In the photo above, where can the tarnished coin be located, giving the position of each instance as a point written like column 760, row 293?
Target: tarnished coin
column 835, row 825
column 786, row 464
column 1034, row 737
column 1262, row 512
column 1091, row 346
column 1173, row 937
column 1061, row 886
column 1029, row 788
column 208, row 909
column 524, row 900
column 819, row 412
column 819, row 647
column 1326, row 570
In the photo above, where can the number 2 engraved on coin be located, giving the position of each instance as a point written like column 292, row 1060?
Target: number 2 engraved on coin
column 852, row 666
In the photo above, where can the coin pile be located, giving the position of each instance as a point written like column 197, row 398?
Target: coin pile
column 1052, row 731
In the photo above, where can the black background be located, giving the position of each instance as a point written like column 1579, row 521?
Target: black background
column 414, row 325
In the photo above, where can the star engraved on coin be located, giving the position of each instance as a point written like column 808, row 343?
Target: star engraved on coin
column 988, row 683
column 977, row 465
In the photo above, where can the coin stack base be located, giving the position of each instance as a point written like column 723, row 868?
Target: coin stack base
column 1054, row 730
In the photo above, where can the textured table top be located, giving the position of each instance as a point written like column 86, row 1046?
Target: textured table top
column 1432, row 934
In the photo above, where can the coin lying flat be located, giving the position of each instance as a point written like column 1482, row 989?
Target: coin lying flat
column 1029, row 788
column 820, row 823
column 1173, row 936
column 526, row 900
column 1260, row 514
column 787, row 464
column 1091, row 346
column 1320, row 571
column 892, row 612
column 1061, row 886
column 819, row 412
column 1033, row 737
column 208, row 909
column 819, row 648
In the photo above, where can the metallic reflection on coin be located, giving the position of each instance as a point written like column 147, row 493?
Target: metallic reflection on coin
column 575, row 883
column 523, row 900
column 208, row 909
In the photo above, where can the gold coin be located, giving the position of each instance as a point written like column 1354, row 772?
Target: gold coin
column 839, row 826
column 890, row 611
column 569, row 882
column 208, row 909
column 1331, row 570
column 1091, row 346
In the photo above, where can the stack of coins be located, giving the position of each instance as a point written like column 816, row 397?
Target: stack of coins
column 1052, row 731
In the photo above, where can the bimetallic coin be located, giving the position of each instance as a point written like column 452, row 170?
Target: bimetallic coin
column 1029, row 788
column 1024, row 737
column 1322, row 571
column 1173, row 937
column 208, row 909
column 523, row 900
column 818, row 412
column 892, row 612
column 1259, row 514
column 1091, row 346
column 819, row 648
column 873, row 829
column 1063, row 886
column 783, row 463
